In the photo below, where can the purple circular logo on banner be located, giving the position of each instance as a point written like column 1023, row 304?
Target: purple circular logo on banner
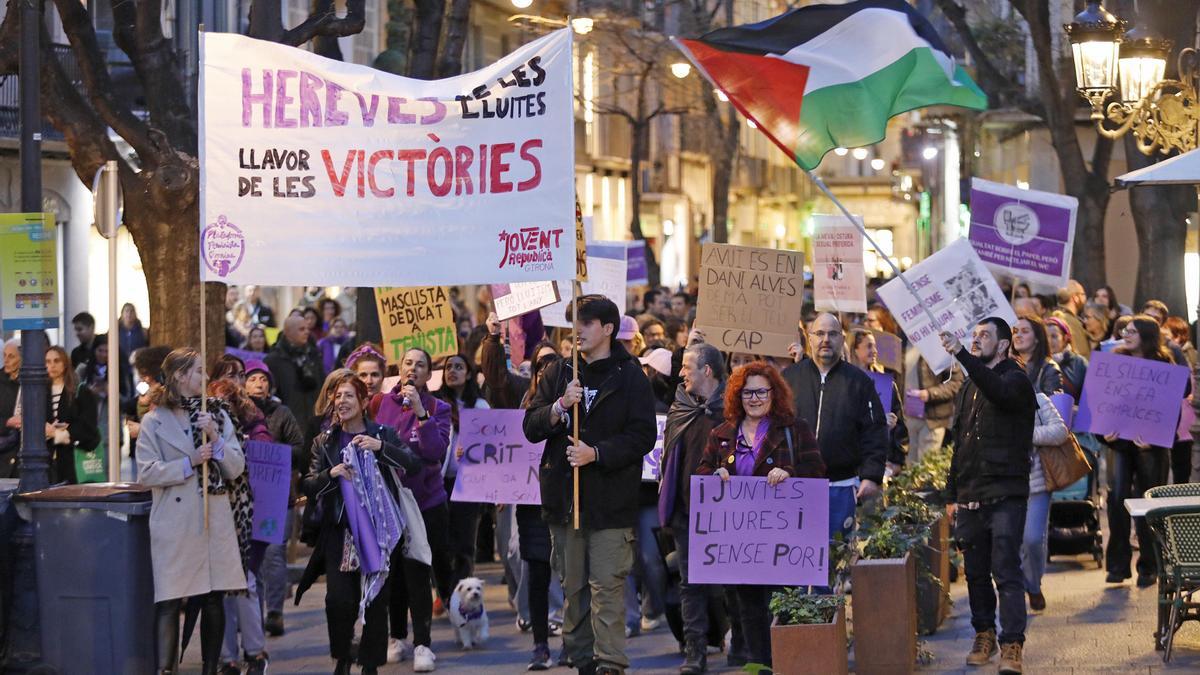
column 222, row 245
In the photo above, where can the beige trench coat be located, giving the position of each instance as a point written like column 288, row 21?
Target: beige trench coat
column 186, row 560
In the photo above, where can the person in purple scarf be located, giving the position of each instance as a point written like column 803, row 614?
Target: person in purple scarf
column 761, row 436
column 338, row 554
column 423, row 421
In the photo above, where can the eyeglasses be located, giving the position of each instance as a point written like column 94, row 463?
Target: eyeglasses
column 760, row 394
column 1129, row 331
column 821, row 335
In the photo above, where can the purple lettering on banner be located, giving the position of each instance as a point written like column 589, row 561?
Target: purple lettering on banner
column 743, row 531
column 498, row 465
column 883, row 387
column 652, row 461
column 1065, row 404
column 1136, row 398
column 269, row 467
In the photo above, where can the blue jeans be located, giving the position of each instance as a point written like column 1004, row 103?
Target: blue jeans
column 243, row 614
column 648, row 573
column 990, row 539
column 842, row 503
column 274, row 582
column 1033, row 544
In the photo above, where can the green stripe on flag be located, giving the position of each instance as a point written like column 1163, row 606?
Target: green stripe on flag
column 856, row 113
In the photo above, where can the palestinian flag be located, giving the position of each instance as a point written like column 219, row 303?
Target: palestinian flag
column 826, row 76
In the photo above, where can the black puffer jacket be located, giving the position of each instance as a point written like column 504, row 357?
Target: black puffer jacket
column 619, row 423
column 844, row 412
column 993, row 432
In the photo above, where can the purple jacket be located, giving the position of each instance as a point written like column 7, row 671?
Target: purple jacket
column 429, row 441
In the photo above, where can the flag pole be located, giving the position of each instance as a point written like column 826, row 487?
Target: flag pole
column 899, row 274
column 575, row 406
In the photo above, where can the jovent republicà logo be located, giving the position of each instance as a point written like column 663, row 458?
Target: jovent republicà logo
column 530, row 248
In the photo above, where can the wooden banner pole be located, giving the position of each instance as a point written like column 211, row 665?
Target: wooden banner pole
column 575, row 407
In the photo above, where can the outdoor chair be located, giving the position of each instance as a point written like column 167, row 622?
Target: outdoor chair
column 1177, row 536
column 1177, row 490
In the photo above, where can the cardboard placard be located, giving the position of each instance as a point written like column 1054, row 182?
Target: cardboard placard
column 269, row 469
column 750, row 298
column 417, row 316
column 513, row 300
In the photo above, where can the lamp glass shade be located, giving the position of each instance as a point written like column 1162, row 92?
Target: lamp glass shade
column 1095, row 64
column 1139, row 76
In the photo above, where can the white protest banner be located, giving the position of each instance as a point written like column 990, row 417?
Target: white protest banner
column 839, row 275
column 318, row 172
column 750, row 298
column 1027, row 234
column 957, row 288
column 606, row 270
column 512, row 300
column 498, row 466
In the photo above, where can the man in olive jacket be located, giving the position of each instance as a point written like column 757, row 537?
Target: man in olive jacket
column 616, row 428
column 988, row 487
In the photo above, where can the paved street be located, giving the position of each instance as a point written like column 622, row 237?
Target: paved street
column 1088, row 627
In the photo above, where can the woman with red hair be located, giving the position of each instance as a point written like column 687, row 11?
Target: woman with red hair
column 761, row 436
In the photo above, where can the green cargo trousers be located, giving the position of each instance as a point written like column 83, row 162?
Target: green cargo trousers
column 593, row 565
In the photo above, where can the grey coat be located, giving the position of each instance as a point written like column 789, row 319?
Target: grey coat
column 188, row 560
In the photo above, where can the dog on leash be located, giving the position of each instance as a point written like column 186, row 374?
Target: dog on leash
column 468, row 615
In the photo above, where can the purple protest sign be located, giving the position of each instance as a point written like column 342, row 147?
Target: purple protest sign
column 1136, row 398
column 635, row 271
column 269, row 468
column 744, row 531
column 1065, row 405
column 914, row 407
column 652, row 460
column 1023, row 233
column 245, row 354
column 890, row 350
column 498, row 466
column 883, row 387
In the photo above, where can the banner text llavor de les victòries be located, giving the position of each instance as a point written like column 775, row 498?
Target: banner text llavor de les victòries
column 318, row 172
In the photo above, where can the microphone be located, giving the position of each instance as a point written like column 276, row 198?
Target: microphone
column 406, row 403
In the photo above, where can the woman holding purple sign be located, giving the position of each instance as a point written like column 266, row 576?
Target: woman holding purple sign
column 340, row 555
column 1137, row 467
column 863, row 353
column 761, row 436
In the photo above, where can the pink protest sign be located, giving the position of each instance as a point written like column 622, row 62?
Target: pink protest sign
column 498, row 465
column 1136, row 398
column 744, row 531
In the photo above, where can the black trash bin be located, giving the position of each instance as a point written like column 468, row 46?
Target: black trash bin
column 95, row 583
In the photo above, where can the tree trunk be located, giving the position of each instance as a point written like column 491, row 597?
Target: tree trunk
column 456, row 37
column 1159, row 213
column 722, row 164
column 428, row 34
column 637, row 152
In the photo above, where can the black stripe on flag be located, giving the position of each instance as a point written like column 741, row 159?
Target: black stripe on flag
column 780, row 34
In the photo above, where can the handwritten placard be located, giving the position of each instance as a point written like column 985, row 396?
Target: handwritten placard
column 652, row 461
column 744, row 531
column 1136, row 398
column 416, row 317
column 498, row 466
column 269, row 468
column 513, row 300
column 750, row 298
column 883, row 387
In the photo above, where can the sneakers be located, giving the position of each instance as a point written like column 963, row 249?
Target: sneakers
column 541, row 658
column 633, row 631
column 564, row 659
column 1010, row 659
column 523, row 625
column 398, row 650
column 1037, row 602
column 257, row 665
column 274, row 624
column 423, row 659
column 983, row 649
column 695, row 660
column 651, row 623
column 555, row 628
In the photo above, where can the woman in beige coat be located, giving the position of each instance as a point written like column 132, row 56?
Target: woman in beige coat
column 176, row 440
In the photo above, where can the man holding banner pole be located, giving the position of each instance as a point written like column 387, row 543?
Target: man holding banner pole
column 616, row 429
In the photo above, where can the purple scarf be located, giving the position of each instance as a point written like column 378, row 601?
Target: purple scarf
column 744, row 454
column 375, row 520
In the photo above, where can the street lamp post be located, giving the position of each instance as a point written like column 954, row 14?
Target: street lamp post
column 1163, row 115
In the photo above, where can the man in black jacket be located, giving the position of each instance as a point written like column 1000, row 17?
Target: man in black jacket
column 297, row 369
column 838, row 400
column 616, row 429
column 698, row 409
column 988, row 486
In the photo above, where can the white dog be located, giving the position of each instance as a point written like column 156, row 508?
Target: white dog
column 467, row 613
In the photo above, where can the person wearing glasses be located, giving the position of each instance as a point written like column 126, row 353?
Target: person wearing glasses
column 840, row 402
column 761, row 436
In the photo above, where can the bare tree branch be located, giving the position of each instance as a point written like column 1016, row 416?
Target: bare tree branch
column 326, row 23
column 1002, row 89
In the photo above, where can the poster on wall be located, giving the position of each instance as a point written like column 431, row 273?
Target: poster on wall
column 839, row 274
column 28, row 271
